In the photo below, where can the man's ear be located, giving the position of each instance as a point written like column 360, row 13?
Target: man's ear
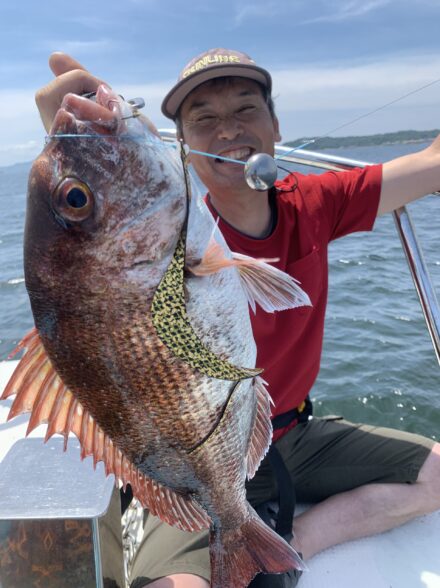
column 276, row 126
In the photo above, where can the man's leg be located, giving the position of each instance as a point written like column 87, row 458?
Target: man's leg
column 170, row 558
column 327, row 459
column 367, row 510
column 180, row 581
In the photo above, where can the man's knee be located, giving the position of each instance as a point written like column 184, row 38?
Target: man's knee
column 429, row 478
column 179, row 581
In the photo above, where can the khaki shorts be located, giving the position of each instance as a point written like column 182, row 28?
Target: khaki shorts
column 324, row 456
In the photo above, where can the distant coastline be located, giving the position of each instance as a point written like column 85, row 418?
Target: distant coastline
column 367, row 140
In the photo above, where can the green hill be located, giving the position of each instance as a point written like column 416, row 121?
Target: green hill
column 364, row 140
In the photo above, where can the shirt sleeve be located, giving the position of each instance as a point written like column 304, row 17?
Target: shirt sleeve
column 351, row 199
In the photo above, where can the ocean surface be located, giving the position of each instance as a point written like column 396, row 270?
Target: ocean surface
column 378, row 363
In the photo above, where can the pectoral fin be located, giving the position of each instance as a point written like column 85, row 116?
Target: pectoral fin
column 265, row 285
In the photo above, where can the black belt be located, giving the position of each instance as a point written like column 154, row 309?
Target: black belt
column 300, row 414
column 286, row 488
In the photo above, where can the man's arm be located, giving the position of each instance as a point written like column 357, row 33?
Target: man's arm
column 409, row 177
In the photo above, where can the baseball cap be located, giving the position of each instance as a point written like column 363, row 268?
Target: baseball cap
column 214, row 63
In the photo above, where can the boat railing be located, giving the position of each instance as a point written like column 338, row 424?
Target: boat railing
column 404, row 225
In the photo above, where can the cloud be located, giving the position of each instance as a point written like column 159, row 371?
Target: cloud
column 147, row 3
column 30, row 146
column 328, row 10
column 18, row 68
column 345, row 10
column 348, row 10
column 22, row 133
column 315, row 100
column 89, row 22
column 76, row 47
column 363, row 85
column 252, row 11
column 304, row 12
column 16, row 104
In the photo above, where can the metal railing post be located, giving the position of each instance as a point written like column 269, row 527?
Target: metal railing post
column 420, row 275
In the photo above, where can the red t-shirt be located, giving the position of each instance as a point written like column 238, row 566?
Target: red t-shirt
column 319, row 209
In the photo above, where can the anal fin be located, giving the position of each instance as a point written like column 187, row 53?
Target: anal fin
column 41, row 392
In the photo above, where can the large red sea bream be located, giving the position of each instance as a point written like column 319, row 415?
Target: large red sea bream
column 143, row 345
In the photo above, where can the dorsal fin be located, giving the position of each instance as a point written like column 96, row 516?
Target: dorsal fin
column 40, row 391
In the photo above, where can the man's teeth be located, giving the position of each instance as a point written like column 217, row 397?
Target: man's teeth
column 242, row 154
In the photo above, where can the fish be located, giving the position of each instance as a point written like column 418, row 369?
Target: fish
column 143, row 345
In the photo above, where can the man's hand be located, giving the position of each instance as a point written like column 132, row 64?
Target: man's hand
column 71, row 77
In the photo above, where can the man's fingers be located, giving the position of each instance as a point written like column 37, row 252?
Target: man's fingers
column 50, row 98
column 71, row 77
column 61, row 63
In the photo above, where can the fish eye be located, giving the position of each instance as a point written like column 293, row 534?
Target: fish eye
column 76, row 198
column 73, row 200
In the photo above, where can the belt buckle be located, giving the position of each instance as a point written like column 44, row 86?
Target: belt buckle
column 301, row 407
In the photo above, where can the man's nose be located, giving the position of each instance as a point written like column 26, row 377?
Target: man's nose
column 229, row 128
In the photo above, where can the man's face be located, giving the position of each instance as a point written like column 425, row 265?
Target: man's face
column 230, row 119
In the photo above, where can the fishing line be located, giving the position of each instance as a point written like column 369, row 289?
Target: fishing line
column 215, row 156
column 369, row 113
column 383, row 106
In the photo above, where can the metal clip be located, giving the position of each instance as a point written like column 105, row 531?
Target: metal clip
column 137, row 102
column 134, row 102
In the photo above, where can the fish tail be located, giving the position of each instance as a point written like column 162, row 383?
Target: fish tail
column 237, row 555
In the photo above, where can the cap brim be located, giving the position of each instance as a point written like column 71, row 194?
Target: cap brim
column 177, row 95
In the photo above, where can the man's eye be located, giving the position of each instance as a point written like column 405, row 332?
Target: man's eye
column 246, row 110
column 206, row 119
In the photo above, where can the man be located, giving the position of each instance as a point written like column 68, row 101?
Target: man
column 364, row 480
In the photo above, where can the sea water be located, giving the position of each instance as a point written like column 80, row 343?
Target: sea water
column 378, row 364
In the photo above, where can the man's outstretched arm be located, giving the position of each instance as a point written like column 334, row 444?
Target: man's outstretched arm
column 410, row 177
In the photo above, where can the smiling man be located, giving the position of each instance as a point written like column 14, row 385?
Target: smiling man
column 363, row 479
column 238, row 108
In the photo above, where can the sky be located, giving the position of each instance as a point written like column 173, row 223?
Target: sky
column 331, row 60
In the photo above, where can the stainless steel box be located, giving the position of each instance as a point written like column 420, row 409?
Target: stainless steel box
column 60, row 520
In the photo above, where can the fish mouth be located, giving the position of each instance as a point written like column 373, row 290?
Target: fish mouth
column 241, row 153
